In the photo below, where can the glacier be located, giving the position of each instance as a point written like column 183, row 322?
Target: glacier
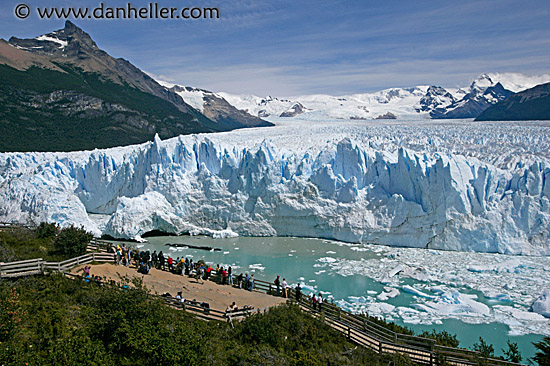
column 452, row 185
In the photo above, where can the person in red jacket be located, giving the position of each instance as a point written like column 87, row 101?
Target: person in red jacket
column 224, row 276
column 170, row 264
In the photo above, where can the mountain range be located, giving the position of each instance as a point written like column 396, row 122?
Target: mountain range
column 433, row 102
column 61, row 92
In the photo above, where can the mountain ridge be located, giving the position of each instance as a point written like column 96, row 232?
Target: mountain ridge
column 530, row 104
column 61, row 92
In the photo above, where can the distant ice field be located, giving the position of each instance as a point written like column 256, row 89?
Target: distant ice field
column 503, row 144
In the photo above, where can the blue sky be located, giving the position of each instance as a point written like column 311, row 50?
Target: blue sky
column 288, row 48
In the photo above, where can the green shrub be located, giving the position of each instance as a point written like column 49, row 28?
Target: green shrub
column 69, row 322
column 542, row 356
column 72, row 241
column 442, row 338
column 512, row 354
column 485, row 351
column 46, row 230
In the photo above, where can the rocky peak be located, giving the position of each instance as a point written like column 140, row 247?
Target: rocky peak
column 498, row 91
column 70, row 41
column 483, row 82
column 179, row 89
column 295, row 110
column 435, row 97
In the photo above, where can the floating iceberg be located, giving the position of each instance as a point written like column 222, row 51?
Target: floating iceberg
column 542, row 304
column 415, row 292
column 454, row 302
column 389, row 292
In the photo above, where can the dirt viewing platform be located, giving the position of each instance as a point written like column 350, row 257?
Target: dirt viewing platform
column 160, row 282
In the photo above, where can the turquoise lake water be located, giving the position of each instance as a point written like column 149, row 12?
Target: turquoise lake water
column 298, row 260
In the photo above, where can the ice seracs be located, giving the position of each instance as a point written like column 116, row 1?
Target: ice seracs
column 364, row 189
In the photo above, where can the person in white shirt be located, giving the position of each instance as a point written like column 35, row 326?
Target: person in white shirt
column 284, row 286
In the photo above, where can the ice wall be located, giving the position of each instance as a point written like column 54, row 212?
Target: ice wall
column 348, row 191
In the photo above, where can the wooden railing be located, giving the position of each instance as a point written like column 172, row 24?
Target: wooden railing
column 362, row 331
column 97, row 245
column 22, row 268
column 39, row 266
column 357, row 328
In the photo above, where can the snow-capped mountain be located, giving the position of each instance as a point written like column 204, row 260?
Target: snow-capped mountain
column 404, row 103
column 400, row 102
column 215, row 106
column 451, row 186
column 473, row 103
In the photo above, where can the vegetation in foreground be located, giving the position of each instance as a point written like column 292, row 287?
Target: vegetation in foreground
column 55, row 320
column 46, row 241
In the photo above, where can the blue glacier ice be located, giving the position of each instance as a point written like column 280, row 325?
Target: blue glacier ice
column 348, row 183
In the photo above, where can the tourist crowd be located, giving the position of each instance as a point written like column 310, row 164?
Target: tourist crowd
column 201, row 271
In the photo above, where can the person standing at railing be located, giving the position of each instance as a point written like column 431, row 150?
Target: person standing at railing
column 319, row 301
column 230, row 276
column 314, row 301
column 128, row 256
column 200, row 274
column 251, row 283
column 219, row 275
column 240, row 279
column 161, row 260
column 170, row 264
column 118, row 255
column 148, row 260
column 298, row 290
column 285, row 285
column 136, row 257
column 277, row 283
column 124, row 254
